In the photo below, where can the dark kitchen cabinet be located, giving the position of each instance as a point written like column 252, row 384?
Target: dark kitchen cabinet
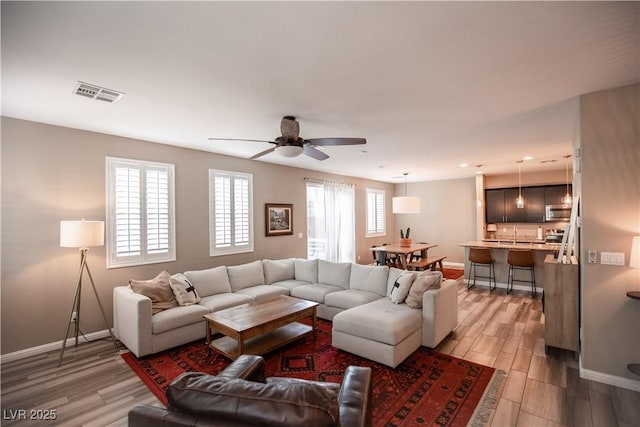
column 501, row 203
column 554, row 194
column 512, row 212
column 534, row 201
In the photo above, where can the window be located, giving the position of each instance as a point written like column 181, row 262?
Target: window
column 141, row 214
column 375, row 213
column 230, row 212
column 331, row 221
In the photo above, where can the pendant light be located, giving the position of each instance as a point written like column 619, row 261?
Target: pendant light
column 405, row 204
column 567, row 200
column 520, row 199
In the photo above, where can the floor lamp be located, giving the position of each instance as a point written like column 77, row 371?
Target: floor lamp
column 82, row 235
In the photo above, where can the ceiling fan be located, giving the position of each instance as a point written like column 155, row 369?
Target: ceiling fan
column 291, row 145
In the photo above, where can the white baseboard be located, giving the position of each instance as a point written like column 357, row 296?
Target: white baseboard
column 458, row 265
column 504, row 286
column 601, row 377
column 57, row 345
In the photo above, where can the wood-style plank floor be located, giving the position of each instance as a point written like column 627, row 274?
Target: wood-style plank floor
column 94, row 387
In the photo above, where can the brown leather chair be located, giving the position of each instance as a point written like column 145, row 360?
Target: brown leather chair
column 481, row 257
column 519, row 259
column 241, row 396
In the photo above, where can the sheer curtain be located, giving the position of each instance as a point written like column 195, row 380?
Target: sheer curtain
column 339, row 216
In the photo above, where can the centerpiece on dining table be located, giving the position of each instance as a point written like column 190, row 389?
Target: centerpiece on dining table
column 404, row 237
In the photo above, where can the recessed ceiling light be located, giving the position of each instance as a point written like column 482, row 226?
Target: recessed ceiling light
column 463, row 165
column 527, row 158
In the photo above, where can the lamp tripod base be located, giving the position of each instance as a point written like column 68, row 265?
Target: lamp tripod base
column 76, row 307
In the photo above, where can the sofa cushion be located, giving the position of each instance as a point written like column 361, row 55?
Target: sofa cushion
column 424, row 281
column 394, row 273
column 369, row 278
column 177, row 317
column 306, row 270
column 349, row 298
column 315, row 292
column 221, row 301
column 289, row 403
column 245, row 275
column 184, row 291
column 210, row 281
column 401, row 287
column 334, row 273
column 289, row 284
column 158, row 290
column 278, row 270
column 261, row 292
column 380, row 320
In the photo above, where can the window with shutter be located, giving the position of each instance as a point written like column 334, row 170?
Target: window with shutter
column 230, row 212
column 140, row 212
column 375, row 213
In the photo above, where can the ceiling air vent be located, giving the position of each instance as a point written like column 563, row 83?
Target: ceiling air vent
column 98, row 92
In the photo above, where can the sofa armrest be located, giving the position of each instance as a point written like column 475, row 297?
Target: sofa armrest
column 153, row 416
column 247, row 366
column 355, row 398
column 132, row 320
column 439, row 313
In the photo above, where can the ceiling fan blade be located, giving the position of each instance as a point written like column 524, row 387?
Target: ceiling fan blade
column 336, row 141
column 241, row 139
column 262, row 153
column 316, row 154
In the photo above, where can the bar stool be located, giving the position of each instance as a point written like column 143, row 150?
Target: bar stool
column 519, row 259
column 481, row 257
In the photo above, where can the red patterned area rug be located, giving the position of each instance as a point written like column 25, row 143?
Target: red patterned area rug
column 452, row 273
column 428, row 388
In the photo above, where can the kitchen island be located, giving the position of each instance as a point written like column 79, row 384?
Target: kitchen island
column 500, row 250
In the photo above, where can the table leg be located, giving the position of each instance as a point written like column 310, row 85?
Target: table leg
column 314, row 324
column 208, row 335
column 240, row 345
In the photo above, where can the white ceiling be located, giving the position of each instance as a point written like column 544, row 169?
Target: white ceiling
column 429, row 84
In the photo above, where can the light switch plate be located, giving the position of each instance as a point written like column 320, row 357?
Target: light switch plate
column 592, row 257
column 612, row 258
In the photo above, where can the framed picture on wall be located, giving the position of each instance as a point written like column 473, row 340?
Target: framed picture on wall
column 278, row 219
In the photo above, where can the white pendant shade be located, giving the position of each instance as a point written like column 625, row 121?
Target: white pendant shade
column 635, row 253
column 289, row 150
column 406, row 204
column 81, row 234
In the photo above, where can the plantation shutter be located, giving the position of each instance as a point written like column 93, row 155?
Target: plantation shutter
column 231, row 217
column 140, row 217
column 375, row 213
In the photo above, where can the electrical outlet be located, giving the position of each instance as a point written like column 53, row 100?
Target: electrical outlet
column 612, row 258
column 74, row 316
column 592, row 257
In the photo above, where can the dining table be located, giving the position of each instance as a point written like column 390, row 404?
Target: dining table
column 403, row 252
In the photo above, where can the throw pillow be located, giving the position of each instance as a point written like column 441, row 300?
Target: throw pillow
column 423, row 282
column 183, row 290
column 401, row 287
column 158, row 290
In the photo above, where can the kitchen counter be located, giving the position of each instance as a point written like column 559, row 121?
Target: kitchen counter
column 500, row 250
column 537, row 245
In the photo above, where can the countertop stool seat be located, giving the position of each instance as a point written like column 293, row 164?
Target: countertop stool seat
column 481, row 257
column 520, row 259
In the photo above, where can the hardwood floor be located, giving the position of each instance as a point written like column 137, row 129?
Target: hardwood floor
column 94, row 387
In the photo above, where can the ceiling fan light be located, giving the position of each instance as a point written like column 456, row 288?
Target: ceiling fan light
column 289, row 150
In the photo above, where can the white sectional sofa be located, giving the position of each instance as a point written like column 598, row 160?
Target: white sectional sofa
column 356, row 297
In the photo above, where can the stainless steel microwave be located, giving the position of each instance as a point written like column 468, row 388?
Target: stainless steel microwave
column 557, row 212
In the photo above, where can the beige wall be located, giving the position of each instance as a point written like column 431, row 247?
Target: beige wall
column 447, row 215
column 51, row 173
column 610, row 201
column 529, row 178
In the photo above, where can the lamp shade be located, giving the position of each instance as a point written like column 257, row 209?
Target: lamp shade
column 405, row 204
column 81, row 234
column 635, row 253
column 289, row 150
column 492, row 227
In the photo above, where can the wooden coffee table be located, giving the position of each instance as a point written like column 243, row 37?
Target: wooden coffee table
column 261, row 326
